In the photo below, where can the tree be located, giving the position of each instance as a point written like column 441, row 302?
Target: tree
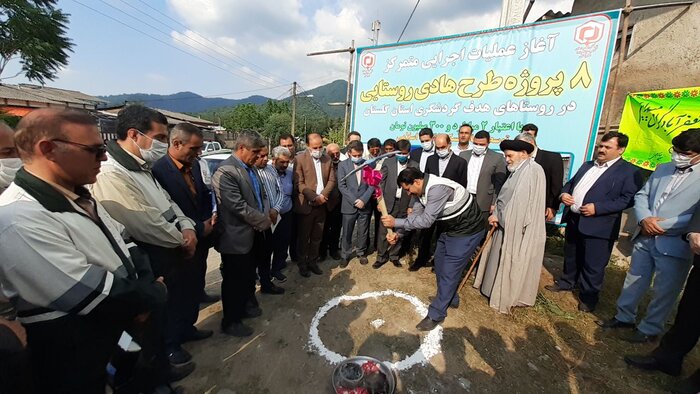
column 245, row 117
column 276, row 125
column 35, row 32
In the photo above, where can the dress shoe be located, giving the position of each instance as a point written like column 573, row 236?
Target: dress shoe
column 304, row 270
column 238, row 330
column 416, row 266
column 397, row 263
column 335, row 256
column 689, row 385
column 252, row 311
column 209, row 298
column 179, row 372
column 198, row 335
column 555, row 288
column 650, row 363
column 179, row 356
column 378, row 264
column 322, row 256
column 271, row 289
column 344, row 263
column 313, row 267
column 614, row 323
column 363, row 260
column 427, row 324
column 637, row 336
column 583, row 307
column 454, row 304
column 278, row 276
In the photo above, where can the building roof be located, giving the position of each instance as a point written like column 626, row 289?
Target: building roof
column 173, row 117
column 39, row 96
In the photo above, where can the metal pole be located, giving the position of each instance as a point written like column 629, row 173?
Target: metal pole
column 376, row 26
column 349, row 92
column 294, row 106
column 620, row 59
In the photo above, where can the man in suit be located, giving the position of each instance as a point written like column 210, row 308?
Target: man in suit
column 179, row 174
column 594, row 200
column 334, row 221
column 663, row 207
column 314, row 180
column 355, row 206
column 427, row 149
column 553, row 167
column 352, row 136
column 243, row 219
column 396, row 200
column 464, row 139
column 683, row 336
column 486, row 171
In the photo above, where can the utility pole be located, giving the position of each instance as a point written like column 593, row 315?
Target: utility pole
column 376, row 26
column 294, row 106
column 348, row 96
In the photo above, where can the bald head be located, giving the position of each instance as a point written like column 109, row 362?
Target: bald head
column 333, row 150
column 48, row 124
column 7, row 142
column 442, row 139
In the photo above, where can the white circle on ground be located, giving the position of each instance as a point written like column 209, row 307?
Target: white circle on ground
column 430, row 346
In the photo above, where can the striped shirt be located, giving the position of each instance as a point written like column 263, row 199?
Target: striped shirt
column 273, row 189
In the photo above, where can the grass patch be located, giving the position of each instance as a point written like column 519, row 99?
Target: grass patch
column 545, row 305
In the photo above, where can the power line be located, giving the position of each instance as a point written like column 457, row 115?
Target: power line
column 408, row 21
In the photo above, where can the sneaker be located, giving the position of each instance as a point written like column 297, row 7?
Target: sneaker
column 278, row 276
column 238, row 330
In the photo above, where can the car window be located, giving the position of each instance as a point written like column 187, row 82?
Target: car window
column 213, row 164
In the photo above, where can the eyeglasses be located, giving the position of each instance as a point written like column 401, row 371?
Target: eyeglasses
column 97, row 150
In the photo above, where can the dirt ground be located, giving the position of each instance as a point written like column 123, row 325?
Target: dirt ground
column 550, row 347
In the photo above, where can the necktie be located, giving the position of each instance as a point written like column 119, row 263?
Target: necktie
column 256, row 187
column 88, row 206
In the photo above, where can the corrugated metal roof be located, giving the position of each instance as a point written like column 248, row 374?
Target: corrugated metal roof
column 173, row 117
column 43, row 94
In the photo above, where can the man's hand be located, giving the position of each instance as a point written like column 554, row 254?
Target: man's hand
column 567, row 199
column 214, row 219
column 320, row 199
column 549, row 214
column 273, row 215
column 392, row 238
column 409, row 211
column 493, row 221
column 359, row 204
column 190, row 242
column 650, row 226
column 588, row 209
column 491, row 209
column 208, row 226
column 694, row 240
column 388, row 221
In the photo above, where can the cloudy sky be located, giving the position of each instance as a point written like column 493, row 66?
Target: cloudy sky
column 235, row 48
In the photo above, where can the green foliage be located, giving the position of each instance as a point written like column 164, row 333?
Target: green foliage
column 276, row 125
column 336, row 135
column 34, row 31
column 10, row 120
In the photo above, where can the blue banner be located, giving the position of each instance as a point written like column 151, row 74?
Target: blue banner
column 551, row 73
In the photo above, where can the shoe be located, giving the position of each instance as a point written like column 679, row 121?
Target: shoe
column 335, row 256
column 363, row 260
column 322, row 256
column 650, row 363
column 344, row 263
column 252, row 311
column 637, row 336
column 304, row 270
column 198, row 335
column 689, row 385
column 454, row 304
column 278, row 276
column 377, row 264
column 427, row 324
column 271, row 289
column 209, row 298
column 397, row 263
column 583, row 307
column 179, row 356
column 555, row 288
column 179, row 372
column 416, row 266
column 313, row 267
column 238, row 330
column 614, row 323
column 168, row 389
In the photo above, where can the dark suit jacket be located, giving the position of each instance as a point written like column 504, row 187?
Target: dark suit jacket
column 350, row 190
column 305, row 180
column 199, row 207
column 334, row 198
column 694, row 224
column 415, row 156
column 492, row 176
column 612, row 193
column 388, row 185
column 456, row 169
column 553, row 167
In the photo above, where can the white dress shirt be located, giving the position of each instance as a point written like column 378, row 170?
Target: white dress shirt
column 473, row 171
column 399, row 167
column 457, row 149
column 442, row 163
column 319, row 175
column 424, row 158
column 587, row 181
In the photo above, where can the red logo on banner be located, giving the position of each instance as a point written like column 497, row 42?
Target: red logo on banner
column 589, row 33
column 367, row 61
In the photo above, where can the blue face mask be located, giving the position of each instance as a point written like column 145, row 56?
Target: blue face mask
column 403, row 159
column 357, row 160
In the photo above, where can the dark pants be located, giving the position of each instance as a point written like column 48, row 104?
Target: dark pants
column 452, row 254
column 238, row 282
column 351, row 221
column 585, row 259
column 684, row 333
column 310, row 234
column 375, row 220
column 281, row 241
column 294, row 239
column 425, row 242
column 331, row 231
column 261, row 254
column 386, row 252
column 14, row 363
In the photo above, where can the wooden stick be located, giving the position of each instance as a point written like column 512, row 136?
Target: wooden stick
column 382, row 208
column 476, row 258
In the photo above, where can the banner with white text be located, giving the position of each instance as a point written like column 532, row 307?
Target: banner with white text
column 552, row 74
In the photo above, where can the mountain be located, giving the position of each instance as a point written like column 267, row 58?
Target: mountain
column 187, row 102
column 333, row 92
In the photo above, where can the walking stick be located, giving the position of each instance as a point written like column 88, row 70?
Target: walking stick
column 476, row 258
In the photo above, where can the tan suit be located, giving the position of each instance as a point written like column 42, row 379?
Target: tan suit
column 311, row 215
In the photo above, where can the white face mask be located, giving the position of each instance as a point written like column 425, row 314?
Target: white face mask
column 8, row 169
column 316, row 154
column 681, row 160
column 156, row 151
column 427, row 145
column 443, row 153
column 478, row 150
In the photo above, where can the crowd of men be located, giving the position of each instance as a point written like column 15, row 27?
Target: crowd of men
column 108, row 242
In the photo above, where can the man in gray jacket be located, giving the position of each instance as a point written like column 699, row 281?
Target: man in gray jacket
column 486, row 171
column 244, row 217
